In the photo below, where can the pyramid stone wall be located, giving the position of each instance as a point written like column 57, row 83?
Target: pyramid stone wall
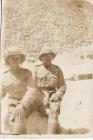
column 31, row 24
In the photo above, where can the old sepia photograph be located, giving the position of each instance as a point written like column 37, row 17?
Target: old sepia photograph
column 46, row 74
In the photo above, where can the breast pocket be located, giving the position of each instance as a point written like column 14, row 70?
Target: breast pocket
column 51, row 80
column 41, row 81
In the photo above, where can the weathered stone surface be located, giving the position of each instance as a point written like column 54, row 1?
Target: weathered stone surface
column 61, row 24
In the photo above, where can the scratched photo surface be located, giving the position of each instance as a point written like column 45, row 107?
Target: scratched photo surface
column 46, row 86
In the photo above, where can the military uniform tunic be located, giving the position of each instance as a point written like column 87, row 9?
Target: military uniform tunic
column 20, row 88
column 50, row 80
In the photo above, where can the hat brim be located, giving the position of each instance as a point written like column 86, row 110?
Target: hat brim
column 41, row 57
column 22, row 57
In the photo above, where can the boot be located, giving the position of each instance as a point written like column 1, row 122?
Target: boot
column 52, row 126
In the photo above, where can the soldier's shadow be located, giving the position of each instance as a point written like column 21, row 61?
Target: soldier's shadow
column 38, row 125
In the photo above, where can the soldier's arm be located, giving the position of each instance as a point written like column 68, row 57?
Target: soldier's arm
column 2, row 92
column 2, row 86
column 61, row 85
column 30, row 94
column 30, row 80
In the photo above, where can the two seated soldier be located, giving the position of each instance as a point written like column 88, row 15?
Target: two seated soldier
column 26, row 94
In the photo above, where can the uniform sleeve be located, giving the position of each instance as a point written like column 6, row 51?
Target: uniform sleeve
column 30, row 80
column 61, row 85
column 30, row 94
column 61, row 80
column 2, row 86
column 2, row 92
column 35, row 74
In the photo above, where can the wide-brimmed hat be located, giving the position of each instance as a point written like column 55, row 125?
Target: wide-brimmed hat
column 9, row 53
column 45, row 51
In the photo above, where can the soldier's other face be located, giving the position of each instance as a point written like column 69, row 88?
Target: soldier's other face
column 47, row 59
column 14, row 61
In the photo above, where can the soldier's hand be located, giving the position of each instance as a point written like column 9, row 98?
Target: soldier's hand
column 55, row 98
column 20, row 111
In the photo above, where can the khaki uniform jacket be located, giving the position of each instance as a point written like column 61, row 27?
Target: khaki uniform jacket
column 50, row 78
column 19, row 87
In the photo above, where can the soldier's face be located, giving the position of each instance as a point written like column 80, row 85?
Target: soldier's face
column 14, row 61
column 47, row 59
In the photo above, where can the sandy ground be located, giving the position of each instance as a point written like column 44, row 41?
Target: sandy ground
column 76, row 108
